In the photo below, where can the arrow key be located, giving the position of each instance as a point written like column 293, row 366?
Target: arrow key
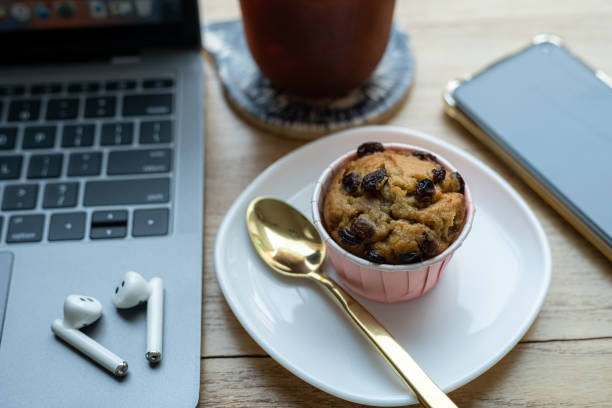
column 150, row 222
column 67, row 226
column 107, row 232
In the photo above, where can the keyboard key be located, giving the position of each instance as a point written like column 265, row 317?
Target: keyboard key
column 11, row 90
column 8, row 136
column 156, row 131
column 139, row 105
column 10, row 167
column 156, row 83
column 60, row 195
column 78, row 135
column 39, row 137
column 84, row 164
column 100, row 107
column 109, row 224
column 120, row 85
column 150, row 222
column 116, row 217
column 65, row 108
column 25, row 228
column 117, row 134
column 139, row 161
column 20, row 197
column 118, row 192
column 108, row 232
column 67, row 226
column 45, row 166
column 43, row 89
column 78, row 87
column 24, row 110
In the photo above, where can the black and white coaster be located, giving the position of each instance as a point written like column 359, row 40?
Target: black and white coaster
column 259, row 102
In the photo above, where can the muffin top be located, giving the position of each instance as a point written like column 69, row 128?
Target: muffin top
column 394, row 207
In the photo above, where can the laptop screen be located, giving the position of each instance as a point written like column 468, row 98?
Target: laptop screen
column 57, row 30
column 17, row 15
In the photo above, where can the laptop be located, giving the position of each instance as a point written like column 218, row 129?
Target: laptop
column 101, row 172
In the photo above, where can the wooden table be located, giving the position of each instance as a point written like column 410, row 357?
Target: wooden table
column 565, row 359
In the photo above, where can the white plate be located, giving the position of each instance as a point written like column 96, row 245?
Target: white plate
column 485, row 301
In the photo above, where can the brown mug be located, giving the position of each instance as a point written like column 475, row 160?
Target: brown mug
column 317, row 48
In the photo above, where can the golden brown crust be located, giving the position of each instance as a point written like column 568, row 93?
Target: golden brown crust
column 394, row 216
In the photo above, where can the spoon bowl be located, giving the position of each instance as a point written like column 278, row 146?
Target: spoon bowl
column 286, row 240
column 290, row 244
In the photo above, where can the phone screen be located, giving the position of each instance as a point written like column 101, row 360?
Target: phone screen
column 554, row 116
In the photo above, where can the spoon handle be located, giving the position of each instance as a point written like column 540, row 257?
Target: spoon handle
column 426, row 391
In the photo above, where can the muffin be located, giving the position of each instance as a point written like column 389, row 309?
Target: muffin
column 394, row 206
column 389, row 234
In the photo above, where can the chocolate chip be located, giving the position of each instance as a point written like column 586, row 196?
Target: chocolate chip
column 457, row 176
column 428, row 246
column 424, row 190
column 373, row 256
column 348, row 238
column 425, row 156
column 410, row 257
column 374, row 181
column 362, row 228
column 369, row 148
column 438, row 174
column 351, row 182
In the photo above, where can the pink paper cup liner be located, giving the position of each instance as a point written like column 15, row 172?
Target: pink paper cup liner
column 382, row 282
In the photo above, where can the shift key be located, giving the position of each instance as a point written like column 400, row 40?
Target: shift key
column 123, row 192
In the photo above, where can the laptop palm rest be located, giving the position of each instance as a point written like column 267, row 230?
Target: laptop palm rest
column 6, row 266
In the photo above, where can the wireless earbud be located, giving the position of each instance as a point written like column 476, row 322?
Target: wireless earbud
column 80, row 311
column 134, row 289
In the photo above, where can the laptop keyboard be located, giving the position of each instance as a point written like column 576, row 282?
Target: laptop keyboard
column 86, row 160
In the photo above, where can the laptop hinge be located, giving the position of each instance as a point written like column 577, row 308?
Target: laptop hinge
column 126, row 59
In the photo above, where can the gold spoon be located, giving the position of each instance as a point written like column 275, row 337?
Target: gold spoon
column 290, row 244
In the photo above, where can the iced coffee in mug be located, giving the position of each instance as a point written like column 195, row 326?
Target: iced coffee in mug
column 317, row 48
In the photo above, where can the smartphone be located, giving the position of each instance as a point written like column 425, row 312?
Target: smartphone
column 549, row 116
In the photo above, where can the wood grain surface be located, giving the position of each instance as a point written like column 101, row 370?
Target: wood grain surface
column 565, row 359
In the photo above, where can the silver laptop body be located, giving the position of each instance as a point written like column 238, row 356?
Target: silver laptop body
column 128, row 195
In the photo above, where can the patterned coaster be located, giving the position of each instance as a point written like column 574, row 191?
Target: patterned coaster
column 261, row 103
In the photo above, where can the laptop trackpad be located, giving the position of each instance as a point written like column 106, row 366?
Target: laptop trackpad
column 6, row 265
